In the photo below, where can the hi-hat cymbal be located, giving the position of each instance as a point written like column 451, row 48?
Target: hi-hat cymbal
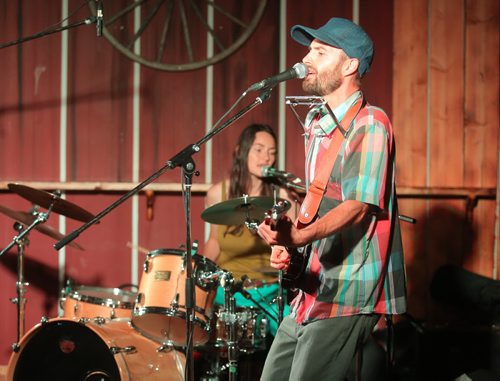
column 238, row 210
column 45, row 199
column 27, row 219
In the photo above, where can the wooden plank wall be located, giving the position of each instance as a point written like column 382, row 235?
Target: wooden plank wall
column 435, row 73
column 445, row 102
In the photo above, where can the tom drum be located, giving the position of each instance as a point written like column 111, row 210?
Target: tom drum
column 85, row 301
column 160, row 309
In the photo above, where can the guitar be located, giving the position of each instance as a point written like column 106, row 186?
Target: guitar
column 299, row 256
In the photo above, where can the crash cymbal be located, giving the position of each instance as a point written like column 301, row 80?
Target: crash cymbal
column 27, row 219
column 238, row 210
column 45, row 199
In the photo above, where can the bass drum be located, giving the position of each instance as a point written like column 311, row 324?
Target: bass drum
column 68, row 350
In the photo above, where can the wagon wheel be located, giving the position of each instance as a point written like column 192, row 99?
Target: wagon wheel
column 173, row 34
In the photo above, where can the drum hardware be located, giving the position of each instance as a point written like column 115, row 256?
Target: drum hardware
column 129, row 349
column 76, row 308
column 175, row 302
column 166, row 346
column 251, row 329
column 227, row 283
column 210, row 277
column 44, row 320
column 146, row 266
column 235, row 330
column 99, row 320
column 252, row 225
column 140, row 298
column 21, row 241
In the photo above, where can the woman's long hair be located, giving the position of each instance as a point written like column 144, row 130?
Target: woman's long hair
column 239, row 183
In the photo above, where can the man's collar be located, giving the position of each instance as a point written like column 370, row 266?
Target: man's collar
column 326, row 124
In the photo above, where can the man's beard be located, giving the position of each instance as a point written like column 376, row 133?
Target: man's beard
column 325, row 83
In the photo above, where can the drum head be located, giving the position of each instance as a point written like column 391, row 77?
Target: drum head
column 66, row 351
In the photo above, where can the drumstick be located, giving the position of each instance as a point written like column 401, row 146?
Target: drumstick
column 139, row 248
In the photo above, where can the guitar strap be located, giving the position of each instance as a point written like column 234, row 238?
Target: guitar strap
column 316, row 190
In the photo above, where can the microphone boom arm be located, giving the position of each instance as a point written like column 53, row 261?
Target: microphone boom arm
column 177, row 160
column 88, row 21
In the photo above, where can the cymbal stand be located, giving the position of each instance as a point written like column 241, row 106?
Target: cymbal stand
column 21, row 240
column 20, row 300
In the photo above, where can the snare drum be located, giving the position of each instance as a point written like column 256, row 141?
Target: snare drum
column 67, row 349
column 160, row 310
column 250, row 329
column 84, row 301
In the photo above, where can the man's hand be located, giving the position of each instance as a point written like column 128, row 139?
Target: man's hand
column 282, row 232
column 280, row 258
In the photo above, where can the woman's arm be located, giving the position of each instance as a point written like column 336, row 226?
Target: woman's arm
column 212, row 248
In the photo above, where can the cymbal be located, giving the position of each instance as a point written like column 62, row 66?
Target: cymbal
column 45, row 199
column 237, row 210
column 27, row 219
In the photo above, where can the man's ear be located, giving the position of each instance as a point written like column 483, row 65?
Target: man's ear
column 351, row 66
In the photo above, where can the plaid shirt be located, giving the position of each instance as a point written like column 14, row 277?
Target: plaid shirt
column 359, row 270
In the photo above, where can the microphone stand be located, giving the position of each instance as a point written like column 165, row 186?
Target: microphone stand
column 184, row 160
column 88, row 21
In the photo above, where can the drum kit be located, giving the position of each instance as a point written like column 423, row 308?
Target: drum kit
column 138, row 334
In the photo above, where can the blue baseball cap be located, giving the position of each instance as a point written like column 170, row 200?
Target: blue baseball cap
column 343, row 34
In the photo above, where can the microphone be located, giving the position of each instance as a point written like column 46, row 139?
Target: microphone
column 268, row 171
column 99, row 18
column 299, row 70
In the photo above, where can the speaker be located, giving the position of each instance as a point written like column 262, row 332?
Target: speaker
column 464, row 289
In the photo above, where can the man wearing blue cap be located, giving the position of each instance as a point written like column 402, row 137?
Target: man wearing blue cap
column 354, row 269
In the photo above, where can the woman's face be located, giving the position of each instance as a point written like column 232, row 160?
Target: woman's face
column 261, row 153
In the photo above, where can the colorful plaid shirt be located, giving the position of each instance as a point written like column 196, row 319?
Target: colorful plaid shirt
column 359, row 270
